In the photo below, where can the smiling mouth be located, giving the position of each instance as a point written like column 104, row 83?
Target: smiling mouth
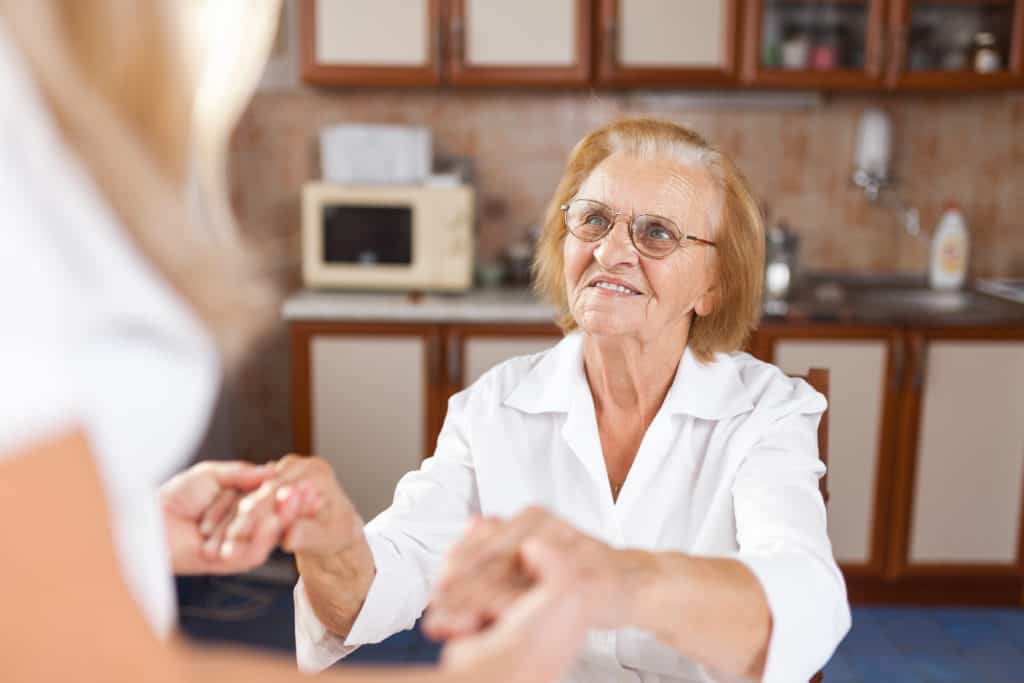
column 614, row 287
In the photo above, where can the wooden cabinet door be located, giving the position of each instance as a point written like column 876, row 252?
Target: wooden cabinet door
column 963, row 484
column 474, row 349
column 829, row 44
column 681, row 43
column 862, row 366
column 936, row 45
column 526, row 42
column 363, row 399
column 371, row 42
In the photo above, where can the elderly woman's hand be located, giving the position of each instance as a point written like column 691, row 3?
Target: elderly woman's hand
column 485, row 573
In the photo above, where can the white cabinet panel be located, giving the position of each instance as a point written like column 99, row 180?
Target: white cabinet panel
column 521, row 33
column 967, row 488
column 857, row 391
column 368, row 412
column 672, row 33
column 483, row 353
column 372, row 33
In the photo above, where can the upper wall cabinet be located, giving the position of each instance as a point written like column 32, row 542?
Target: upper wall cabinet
column 526, row 42
column 667, row 42
column 833, row 44
column 371, row 42
column 957, row 44
column 431, row 42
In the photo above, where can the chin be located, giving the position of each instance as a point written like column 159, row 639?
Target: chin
column 603, row 324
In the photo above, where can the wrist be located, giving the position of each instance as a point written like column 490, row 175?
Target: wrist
column 644, row 580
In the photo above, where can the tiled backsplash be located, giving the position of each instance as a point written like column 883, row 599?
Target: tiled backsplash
column 968, row 149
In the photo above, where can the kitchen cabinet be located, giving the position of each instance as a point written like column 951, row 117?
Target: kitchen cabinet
column 364, row 398
column 835, row 44
column 371, row 42
column 956, row 44
column 862, row 362
column 667, row 42
column 962, row 464
column 527, row 43
column 926, row 434
column 436, row 42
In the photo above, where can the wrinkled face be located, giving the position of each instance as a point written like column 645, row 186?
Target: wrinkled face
column 612, row 288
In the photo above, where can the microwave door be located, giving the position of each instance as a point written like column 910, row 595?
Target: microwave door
column 367, row 235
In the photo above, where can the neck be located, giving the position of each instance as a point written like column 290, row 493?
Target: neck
column 632, row 374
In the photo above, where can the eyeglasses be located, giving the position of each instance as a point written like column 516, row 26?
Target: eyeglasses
column 653, row 236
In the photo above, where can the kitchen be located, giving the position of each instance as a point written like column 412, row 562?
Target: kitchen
column 783, row 88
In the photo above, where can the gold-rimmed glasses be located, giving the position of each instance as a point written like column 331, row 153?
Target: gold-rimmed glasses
column 653, row 236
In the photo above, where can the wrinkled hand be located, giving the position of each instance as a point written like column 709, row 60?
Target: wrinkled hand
column 485, row 573
column 315, row 516
column 194, row 500
column 537, row 636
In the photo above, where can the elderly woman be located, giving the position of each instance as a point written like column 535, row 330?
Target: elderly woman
column 678, row 475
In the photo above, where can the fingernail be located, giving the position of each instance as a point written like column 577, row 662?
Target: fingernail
column 205, row 528
column 227, row 550
column 283, row 493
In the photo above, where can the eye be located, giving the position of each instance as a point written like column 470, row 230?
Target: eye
column 596, row 219
column 659, row 233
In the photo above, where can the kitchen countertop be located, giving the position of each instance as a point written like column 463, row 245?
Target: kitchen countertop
column 822, row 298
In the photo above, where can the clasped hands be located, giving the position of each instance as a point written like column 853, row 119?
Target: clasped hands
column 228, row 517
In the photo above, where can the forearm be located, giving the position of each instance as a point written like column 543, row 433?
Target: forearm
column 712, row 610
column 337, row 585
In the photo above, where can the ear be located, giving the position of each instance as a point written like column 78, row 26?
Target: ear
column 708, row 302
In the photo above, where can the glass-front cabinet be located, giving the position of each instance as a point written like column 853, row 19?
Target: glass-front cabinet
column 834, row 44
column 957, row 44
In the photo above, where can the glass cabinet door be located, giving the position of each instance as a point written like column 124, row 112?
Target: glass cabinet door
column 831, row 44
column 950, row 44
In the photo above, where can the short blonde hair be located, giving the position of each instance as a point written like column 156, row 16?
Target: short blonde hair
column 738, row 227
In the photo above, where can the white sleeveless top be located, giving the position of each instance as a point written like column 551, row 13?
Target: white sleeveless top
column 91, row 337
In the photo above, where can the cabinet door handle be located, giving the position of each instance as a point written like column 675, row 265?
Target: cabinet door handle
column 454, row 363
column 611, row 35
column 896, row 378
column 457, row 36
column 921, row 365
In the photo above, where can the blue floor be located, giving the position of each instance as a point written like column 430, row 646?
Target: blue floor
column 886, row 644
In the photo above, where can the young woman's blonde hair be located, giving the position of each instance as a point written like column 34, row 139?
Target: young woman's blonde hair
column 119, row 80
column 737, row 223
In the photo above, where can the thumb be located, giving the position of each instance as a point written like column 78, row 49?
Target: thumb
column 544, row 562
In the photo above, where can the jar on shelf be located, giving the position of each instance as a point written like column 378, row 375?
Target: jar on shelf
column 985, row 57
column 796, row 47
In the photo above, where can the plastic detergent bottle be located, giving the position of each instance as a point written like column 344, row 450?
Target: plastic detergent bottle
column 950, row 250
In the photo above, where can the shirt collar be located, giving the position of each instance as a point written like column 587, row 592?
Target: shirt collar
column 709, row 391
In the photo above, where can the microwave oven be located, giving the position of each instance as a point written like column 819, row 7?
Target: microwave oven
column 387, row 237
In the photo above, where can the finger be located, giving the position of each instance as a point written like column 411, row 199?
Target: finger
column 213, row 514
column 250, row 554
column 467, row 606
column 243, row 476
column 500, row 539
column 251, row 511
column 210, row 549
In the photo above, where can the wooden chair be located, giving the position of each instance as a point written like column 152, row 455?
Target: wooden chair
column 818, row 378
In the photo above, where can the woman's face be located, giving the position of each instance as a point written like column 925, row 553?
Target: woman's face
column 663, row 293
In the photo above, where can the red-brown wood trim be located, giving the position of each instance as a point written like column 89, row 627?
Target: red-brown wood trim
column 461, row 73
column 610, row 73
column 769, row 334
column 301, row 398
column 975, row 590
column 868, row 78
column 316, row 73
column 302, row 333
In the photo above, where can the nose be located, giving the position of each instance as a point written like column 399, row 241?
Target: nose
column 616, row 250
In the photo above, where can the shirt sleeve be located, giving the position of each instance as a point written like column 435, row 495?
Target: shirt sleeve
column 783, row 540
column 37, row 330
column 408, row 541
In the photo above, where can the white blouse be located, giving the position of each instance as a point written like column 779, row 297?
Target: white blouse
column 92, row 338
column 728, row 468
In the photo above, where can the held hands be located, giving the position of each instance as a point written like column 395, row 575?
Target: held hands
column 489, row 571
column 227, row 517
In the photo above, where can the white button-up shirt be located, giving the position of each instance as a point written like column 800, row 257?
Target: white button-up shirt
column 728, row 468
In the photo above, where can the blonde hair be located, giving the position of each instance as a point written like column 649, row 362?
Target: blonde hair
column 115, row 75
column 737, row 221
